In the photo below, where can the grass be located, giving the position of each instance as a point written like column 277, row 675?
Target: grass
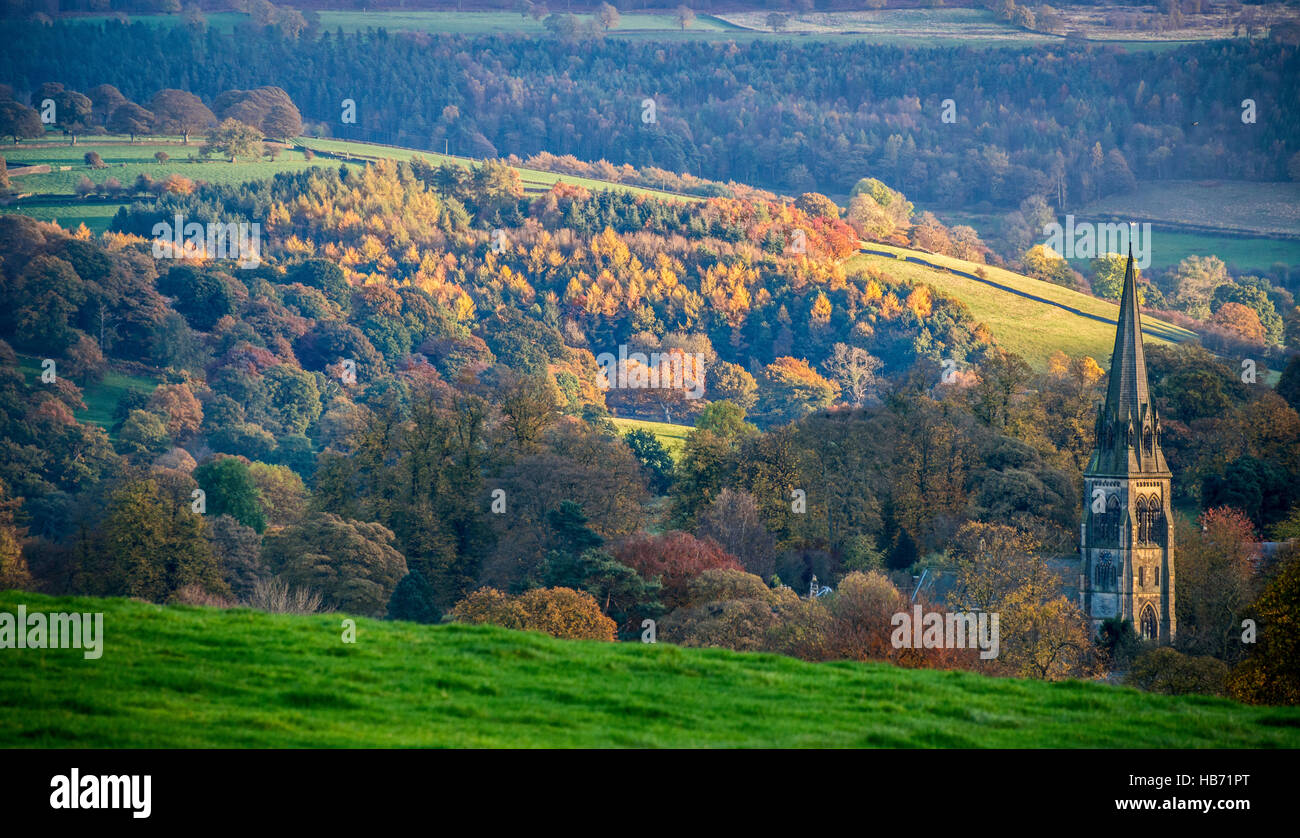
column 901, row 27
column 1171, row 244
column 101, row 398
column 197, row 678
column 535, row 180
column 1216, row 205
column 452, row 23
column 670, row 436
column 96, row 217
column 1241, row 253
column 1030, row 328
column 484, row 23
column 54, row 198
column 126, row 161
column 53, row 193
column 975, row 28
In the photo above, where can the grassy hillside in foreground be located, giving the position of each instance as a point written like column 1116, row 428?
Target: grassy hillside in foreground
column 1029, row 327
column 191, row 677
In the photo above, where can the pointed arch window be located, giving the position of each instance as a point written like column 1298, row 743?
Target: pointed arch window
column 1150, row 520
column 1112, row 527
column 1148, row 625
column 1104, row 573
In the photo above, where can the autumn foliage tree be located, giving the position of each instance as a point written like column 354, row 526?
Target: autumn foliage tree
column 675, row 558
column 13, row 567
column 151, row 546
column 181, row 112
column 790, row 389
column 1271, row 672
column 1216, row 582
column 351, row 564
column 1000, row 570
column 1239, row 320
column 559, row 612
column 233, row 139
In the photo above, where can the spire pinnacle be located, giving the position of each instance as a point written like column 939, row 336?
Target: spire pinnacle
column 1128, row 416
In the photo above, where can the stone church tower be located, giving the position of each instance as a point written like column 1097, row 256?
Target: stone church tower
column 1126, row 545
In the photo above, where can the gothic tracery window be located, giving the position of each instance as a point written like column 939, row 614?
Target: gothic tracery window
column 1148, row 625
column 1104, row 573
column 1150, row 520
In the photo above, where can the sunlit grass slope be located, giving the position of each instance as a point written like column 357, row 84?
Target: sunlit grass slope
column 1027, row 316
column 191, row 677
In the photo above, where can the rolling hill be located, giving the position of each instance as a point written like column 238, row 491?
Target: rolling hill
column 197, row 677
column 50, row 195
column 1027, row 316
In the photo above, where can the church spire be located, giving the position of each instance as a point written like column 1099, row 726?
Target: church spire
column 1128, row 428
column 1127, row 388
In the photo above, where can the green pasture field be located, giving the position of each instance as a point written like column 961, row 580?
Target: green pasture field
column 670, row 436
column 1030, row 328
column 897, row 27
column 101, row 397
column 187, row 677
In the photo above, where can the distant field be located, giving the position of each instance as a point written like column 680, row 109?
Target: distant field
column 96, row 217
column 101, row 399
column 906, row 27
column 935, row 27
column 1027, row 327
column 534, row 180
column 1215, row 23
column 672, row 437
column 185, row 677
column 127, row 161
column 1242, row 252
column 476, row 23
column 631, row 24
column 1231, row 205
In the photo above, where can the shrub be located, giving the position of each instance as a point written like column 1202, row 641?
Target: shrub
column 1170, row 672
column 559, row 612
column 275, row 596
column 196, row 595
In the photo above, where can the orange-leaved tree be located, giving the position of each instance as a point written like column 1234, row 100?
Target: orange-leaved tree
column 559, row 612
